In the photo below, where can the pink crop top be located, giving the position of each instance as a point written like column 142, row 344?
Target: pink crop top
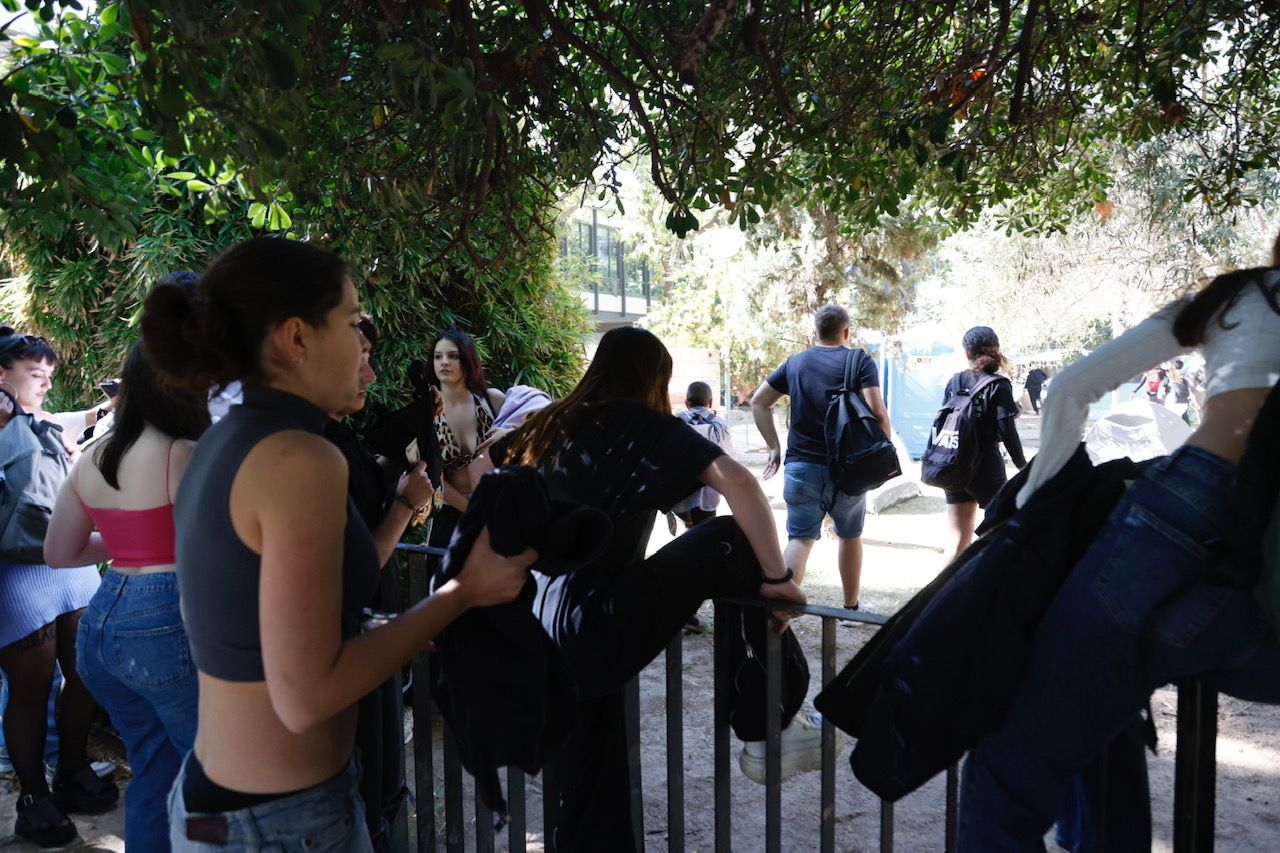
column 136, row 537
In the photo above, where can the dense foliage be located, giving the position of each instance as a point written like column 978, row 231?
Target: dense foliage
column 428, row 141
column 957, row 104
column 99, row 204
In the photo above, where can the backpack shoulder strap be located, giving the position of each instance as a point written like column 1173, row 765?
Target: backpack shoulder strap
column 854, row 357
column 989, row 379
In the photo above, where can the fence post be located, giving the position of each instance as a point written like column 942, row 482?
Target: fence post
column 675, row 744
column 723, row 684
column 1195, row 768
column 424, row 775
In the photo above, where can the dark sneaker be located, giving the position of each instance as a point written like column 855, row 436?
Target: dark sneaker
column 85, row 792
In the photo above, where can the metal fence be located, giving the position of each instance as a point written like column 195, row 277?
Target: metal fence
column 1194, row 786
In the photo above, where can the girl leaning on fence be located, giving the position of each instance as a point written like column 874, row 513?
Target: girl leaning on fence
column 1148, row 602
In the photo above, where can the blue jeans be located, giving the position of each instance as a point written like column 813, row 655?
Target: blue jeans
column 1137, row 611
column 810, row 494
column 132, row 653
column 328, row 816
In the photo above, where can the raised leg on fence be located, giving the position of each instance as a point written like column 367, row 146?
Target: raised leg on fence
column 675, row 744
column 723, row 684
column 1195, row 768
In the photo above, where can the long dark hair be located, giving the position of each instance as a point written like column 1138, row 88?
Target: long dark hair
column 472, row 367
column 15, row 348
column 1220, row 296
column 144, row 399
column 213, row 335
column 630, row 365
column 982, row 348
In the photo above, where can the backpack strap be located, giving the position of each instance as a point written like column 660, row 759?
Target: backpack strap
column 854, row 357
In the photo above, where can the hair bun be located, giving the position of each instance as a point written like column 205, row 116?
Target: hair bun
column 172, row 334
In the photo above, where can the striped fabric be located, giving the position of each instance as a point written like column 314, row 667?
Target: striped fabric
column 32, row 596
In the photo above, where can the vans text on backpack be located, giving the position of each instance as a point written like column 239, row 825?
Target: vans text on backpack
column 951, row 458
column 859, row 454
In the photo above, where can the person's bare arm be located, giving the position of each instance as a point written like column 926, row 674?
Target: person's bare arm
column 762, row 403
column 415, row 487
column 293, row 488
column 71, row 540
column 874, row 399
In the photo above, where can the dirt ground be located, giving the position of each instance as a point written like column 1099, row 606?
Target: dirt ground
column 903, row 552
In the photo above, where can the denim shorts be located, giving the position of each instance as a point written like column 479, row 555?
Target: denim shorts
column 328, row 816
column 810, row 494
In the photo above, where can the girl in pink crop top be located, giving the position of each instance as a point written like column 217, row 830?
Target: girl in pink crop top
column 117, row 505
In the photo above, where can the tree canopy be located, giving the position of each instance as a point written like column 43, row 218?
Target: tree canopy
column 430, row 141
column 866, row 105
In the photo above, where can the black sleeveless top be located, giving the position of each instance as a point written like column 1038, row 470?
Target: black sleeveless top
column 217, row 573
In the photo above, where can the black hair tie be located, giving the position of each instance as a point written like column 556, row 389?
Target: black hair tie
column 778, row 581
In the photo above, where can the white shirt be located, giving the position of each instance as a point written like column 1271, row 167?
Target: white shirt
column 1244, row 356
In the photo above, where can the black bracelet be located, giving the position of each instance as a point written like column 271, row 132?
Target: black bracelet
column 784, row 579
column 408, row 503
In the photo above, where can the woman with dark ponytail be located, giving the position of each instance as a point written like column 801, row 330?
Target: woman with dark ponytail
column 131, row 649
column 274, row 561
column 995, row 411
column 1163, row 591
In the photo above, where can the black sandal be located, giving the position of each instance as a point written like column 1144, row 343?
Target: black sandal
column 85, row 792
column 55, row 830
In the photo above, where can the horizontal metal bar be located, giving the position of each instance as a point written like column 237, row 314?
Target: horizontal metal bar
column 842, row 613
column 421, row 549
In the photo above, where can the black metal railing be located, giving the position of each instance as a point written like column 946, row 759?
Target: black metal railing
column 1194, row 785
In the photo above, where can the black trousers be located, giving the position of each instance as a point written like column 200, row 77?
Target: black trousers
column 1034, row 393
column 610, row 628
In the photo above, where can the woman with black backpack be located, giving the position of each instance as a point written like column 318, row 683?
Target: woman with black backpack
column 991, row 413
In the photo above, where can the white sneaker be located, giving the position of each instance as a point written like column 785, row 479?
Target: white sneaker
column 101, row 769
column 801, row 748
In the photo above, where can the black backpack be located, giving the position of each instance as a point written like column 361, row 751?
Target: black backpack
column 859, row 454
column 951, row 458
column 33, row 466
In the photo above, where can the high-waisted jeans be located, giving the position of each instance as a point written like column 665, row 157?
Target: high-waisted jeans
column 328, row 816
column 1139, row 610
column 131, row 651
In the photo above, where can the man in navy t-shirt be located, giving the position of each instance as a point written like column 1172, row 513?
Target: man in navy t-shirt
column 811, row 378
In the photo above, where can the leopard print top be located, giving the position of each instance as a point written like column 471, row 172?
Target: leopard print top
column 452, row 456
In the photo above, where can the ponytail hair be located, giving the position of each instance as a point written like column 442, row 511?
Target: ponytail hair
column 144, row 399
column 982, row 348
column 212, row 334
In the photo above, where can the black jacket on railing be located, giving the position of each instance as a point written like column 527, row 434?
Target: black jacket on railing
column 944, row 670
column 501, row 688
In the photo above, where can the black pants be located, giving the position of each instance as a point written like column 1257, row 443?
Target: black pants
column 1034, row 394
column 610, row 628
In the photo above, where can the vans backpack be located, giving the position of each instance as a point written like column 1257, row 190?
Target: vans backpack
column 951, row 458
column 859, row 454
column 33, row 466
